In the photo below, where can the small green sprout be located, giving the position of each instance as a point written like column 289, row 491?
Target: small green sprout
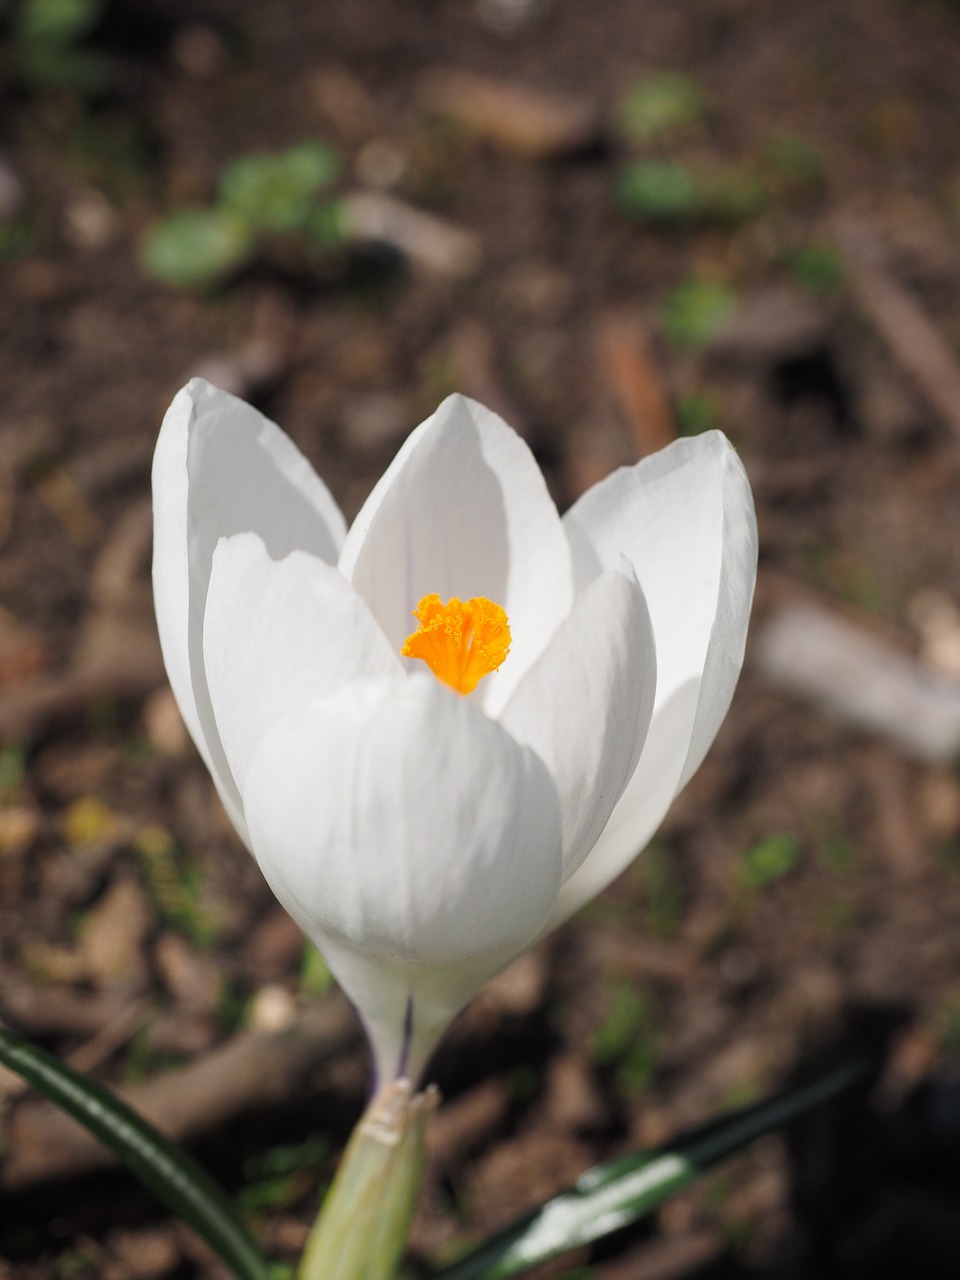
column 835, row 852
column 257, row 196
column 18, row 236
column 48, row 44
column 663, row 892
column 816, row 266
column 837, row 916
column 696, row 310
column 315, row 978
column 279, row 1177
column 198, row 247
column 947, row 1023
column 627, row 1038
column 277, row 192
column 665, row 191
column 696, row 413
column 795, row 161
column 175, row 883
column 769, row 861
column 12, row 769
column 660, row 106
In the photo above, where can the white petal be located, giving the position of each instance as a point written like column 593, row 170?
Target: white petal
column 463, row 510
column 585, row 705
column 413, row 840
column 684, row 518
column 277, row 633
column 220, row 468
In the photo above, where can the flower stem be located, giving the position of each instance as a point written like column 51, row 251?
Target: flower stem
column 362, row 1228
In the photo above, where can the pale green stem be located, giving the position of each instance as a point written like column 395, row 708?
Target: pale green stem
column 363, row 1225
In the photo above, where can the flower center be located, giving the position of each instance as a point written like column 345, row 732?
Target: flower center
column 460, row 641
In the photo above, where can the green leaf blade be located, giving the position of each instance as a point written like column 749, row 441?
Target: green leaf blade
column 169, row 1173
column 620, row 1192
column 197, row 248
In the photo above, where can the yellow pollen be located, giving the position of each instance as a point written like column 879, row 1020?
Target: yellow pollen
column 460, row 641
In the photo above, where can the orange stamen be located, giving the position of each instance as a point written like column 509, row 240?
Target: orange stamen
column 460, row 641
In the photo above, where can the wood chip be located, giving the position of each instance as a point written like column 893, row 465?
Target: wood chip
column 163, row 724
column 862, row 680
column 771, row 326
column 251, row 1071
column 58, row 1011
column 116, row 660
column 192, row 979
column 914, row 340
column 19, row 827
column 427, row 240
column 111, row 943
column 59, row 491
column 628, row 363
column 937, row 619
column 572, row 1099
column 511, row 115
column 147, row 1253
column 272, row 1008
column 465, row 1123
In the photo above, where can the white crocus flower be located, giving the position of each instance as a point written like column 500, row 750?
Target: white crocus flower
column 424, row 821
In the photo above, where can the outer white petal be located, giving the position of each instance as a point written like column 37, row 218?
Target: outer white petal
column 463, row 510
column 413, row 840
column 586, row 703
column 277, row 633
column 220, row 468
column 684, row 518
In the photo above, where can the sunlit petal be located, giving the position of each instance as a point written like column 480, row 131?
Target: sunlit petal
column 396, row 820
column 586, row 703
column 277, row 633
column 684, row 518
column 463, row 511
column 221, row 468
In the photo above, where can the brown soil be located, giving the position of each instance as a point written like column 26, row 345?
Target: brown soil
column 685, row 988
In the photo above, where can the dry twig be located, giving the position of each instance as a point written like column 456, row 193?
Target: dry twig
column 914, row 340
column 252, row 1070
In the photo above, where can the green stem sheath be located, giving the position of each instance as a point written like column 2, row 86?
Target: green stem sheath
column 362, row 1227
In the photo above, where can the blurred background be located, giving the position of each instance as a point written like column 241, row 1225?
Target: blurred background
column 615, row 223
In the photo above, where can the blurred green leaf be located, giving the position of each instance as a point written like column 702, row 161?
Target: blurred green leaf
column 818, row 267
column 279, row 1177
column 277, row 192
column 663, row 887
column 733, row 195
column 835, row 851
column 664, row 191
column 13, row 767
column 315, row 977
column 660, row 105
column 17, row 239
column 57, row 21
column 627, row 1038
column 327, row 225
column 696, row 413
column 696, row 310
column 172, row 1175
column 613, row 1195
column 176, row 884
column 769, row 861
column 659, row 191
column 197, row 248
column 46, row 38
column 53, row 67
column 796, row 160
